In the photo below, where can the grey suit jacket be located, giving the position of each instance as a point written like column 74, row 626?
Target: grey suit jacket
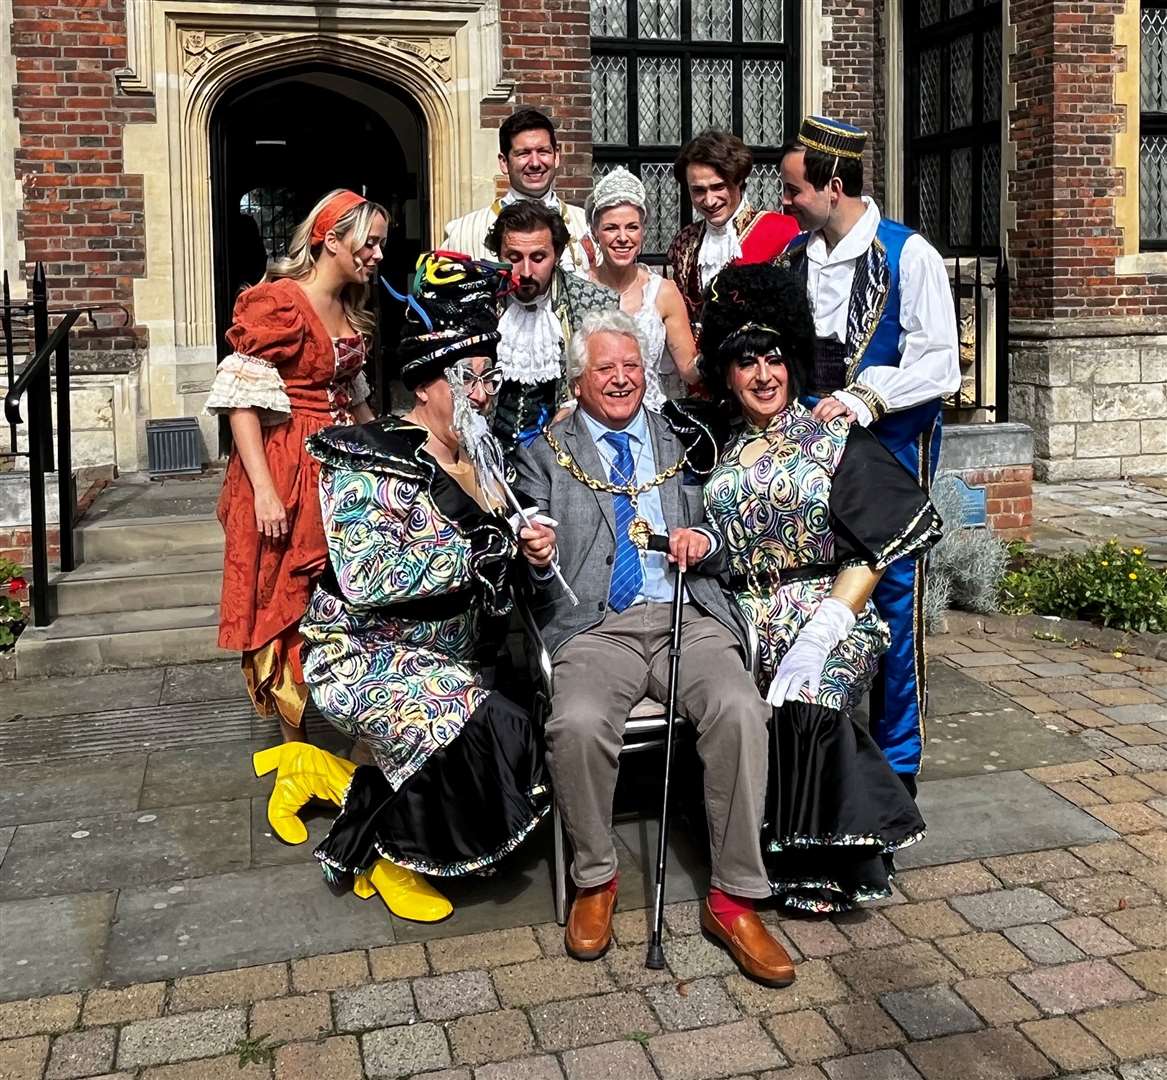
column 587, row 529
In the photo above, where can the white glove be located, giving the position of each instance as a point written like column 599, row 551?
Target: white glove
column 532, row 512
column 804, row 661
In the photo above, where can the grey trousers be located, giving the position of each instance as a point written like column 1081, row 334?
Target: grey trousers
column 599, row 675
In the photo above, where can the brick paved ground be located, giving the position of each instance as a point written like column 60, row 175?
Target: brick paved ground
column 1047, row 963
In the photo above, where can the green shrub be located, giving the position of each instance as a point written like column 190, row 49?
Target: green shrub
column 11, row 613
column 1111, row 585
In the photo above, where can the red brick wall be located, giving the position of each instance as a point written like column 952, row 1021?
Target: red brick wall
column 1066, row 239
column 546, row 53
column 16, row 546
column 850, row 54
column 1008, row 498
column 83, row 214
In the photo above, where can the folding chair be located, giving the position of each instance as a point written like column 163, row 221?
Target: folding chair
column 644, row 730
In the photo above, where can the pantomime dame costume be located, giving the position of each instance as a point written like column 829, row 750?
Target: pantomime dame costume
column 886, row 348
column 799, row 502
column 397, row 627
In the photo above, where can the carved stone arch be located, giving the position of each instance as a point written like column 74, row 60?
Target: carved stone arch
column 256, row 55
column 445, row 56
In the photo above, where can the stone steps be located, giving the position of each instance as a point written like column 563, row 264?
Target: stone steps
column 168, row 582
column 106, row 641
column 146, row 588
column 150, row 538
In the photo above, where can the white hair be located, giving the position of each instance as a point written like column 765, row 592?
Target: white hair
column 601, row 322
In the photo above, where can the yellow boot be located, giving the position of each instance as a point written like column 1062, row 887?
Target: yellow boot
column 305, row 772
column 406, row 894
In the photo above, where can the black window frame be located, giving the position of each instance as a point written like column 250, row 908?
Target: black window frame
column 983, row 15
column 739, row 52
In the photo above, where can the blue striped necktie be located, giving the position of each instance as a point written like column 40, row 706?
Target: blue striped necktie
column 627, row 575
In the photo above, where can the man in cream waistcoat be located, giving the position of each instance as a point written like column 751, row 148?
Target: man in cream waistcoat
column 529, row 155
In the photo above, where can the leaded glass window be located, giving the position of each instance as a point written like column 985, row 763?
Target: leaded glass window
column 663, row 70
column 1153, row 128
column 274, row 210
column 953, row 108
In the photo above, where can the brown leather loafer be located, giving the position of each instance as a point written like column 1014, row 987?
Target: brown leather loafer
column 589, row 925
column 748, row 941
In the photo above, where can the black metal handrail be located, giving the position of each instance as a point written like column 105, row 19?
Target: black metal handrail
column 976, row 289
column 35, row 380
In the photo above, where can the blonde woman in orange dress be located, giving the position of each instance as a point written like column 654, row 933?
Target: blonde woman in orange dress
column 300, row 339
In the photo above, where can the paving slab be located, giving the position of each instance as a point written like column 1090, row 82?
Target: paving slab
column 53, row 944
column 31, row 793
column 6, row 835
column 215, row 680
column 142, row 728
column 198, row 774
column 1001, row 814
column 67, row 695
column 267, row 849
column 236, row 920
column 951, row 691
column 1007, row 737
column 116, row 850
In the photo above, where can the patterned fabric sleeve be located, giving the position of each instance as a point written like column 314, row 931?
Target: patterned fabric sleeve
column 267, row 333
column 386, row 541
column 878, row 510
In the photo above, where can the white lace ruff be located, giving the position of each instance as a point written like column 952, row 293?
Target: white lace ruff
column 719, row 247
column 531, row 349
column 245, row 382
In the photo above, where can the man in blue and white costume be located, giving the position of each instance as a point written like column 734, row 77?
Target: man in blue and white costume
column 885, row 357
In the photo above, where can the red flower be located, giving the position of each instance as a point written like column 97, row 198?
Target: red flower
column 17, row 584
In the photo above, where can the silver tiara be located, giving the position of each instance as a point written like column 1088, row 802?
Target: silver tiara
column 617, row 188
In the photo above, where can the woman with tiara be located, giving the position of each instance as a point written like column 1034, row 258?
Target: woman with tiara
column 617, row 213
column 299, row 341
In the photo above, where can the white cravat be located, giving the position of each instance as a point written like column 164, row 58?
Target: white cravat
column 719, row 247
column 548, row 198
column 531, row 349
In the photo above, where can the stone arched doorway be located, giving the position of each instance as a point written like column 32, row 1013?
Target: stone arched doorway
column 279, row 141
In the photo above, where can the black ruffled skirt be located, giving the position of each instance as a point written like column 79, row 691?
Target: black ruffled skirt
column 472, row 803
column 835, row 811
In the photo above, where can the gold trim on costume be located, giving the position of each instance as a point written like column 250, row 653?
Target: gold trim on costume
column 826, row 148
column 871, row 398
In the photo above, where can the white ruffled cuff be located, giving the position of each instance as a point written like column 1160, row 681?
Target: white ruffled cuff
column 245, row 382
column 358, row 389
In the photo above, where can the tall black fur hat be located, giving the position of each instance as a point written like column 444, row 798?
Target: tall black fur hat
column 748, row 307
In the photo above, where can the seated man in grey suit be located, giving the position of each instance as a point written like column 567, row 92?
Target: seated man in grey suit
column 610, row 473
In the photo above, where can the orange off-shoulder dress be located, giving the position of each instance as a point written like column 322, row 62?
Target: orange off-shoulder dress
column 299, row 380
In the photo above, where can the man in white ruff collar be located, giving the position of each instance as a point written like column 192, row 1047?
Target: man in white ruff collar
column 546, row 307
column 529, row 155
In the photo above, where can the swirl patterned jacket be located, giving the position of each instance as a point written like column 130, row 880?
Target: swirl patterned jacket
column 796, row 503
column 393, row 629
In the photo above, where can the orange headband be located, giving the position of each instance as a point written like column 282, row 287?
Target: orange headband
column 333, row 211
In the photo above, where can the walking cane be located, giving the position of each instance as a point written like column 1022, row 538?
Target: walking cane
column 656, row 954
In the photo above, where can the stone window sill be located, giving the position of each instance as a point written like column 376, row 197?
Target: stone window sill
column 1145, row 263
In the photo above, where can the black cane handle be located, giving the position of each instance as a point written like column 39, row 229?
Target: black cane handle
column 658, row 542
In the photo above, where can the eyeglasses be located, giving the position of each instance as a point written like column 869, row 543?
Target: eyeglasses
column 491, row 381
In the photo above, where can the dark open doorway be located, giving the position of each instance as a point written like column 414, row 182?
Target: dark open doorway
column 280, row 142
